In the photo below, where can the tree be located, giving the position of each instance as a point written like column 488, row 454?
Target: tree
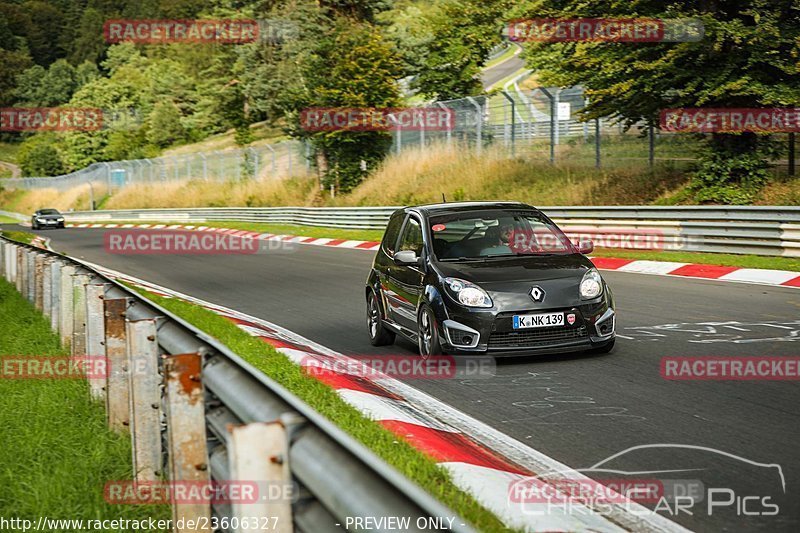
column 165, row 125
column 352, row 67
column 39, row 157
column 463, row 34
column 748, row 58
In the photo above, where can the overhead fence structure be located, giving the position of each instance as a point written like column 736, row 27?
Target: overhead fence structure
column 723, row 229
column 198, row 414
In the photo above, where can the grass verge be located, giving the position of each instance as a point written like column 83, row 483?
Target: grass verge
column 398, row 453
column 8, row 220
column 56, row 453
column 19, row 236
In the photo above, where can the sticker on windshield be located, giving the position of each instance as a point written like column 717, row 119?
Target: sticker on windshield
column 438, row 227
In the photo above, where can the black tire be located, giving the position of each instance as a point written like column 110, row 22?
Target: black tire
column 428, row 333
column 34, row 226
column 379, row 335
column 607, row 348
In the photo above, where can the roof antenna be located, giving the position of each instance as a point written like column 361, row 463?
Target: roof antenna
column 444, row 200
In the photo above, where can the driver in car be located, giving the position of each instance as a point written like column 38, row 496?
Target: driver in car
column 498, row 239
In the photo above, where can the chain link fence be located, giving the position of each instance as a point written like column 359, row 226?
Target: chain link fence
column 542, row 123
column 264, row 162
column 539, row 123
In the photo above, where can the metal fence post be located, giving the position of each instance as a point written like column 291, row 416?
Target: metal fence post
column 478, row 124
column 79, row 282
column 553, row 129
column 145, row 399
column 261, row 451
column 95, row 334
column 186, row 430
column 449, row 130
column 47, row 287
column 513, row 123
column 116, row 351
column 597, row 143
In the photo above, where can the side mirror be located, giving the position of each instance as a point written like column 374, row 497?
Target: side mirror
column 406, row 258
column 586, row 247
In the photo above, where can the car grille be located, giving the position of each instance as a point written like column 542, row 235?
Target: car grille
column 536, row 338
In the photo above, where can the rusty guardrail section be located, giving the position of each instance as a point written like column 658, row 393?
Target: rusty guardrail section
column 197, row 413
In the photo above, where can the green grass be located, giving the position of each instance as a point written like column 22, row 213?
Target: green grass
column 8, row 152
column 743, row 261
column 19, row 236
column 508, row 54
column 56, row 453
column 285, row 229
column 412, row 463
column 8, row 220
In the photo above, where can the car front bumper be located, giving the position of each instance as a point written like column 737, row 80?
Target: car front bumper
column 490, row 332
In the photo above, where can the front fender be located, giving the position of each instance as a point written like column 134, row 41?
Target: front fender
column 434, row 299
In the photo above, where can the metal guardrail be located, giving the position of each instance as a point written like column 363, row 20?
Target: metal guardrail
column 15, row 216
column 726, row 229
column 225, row 419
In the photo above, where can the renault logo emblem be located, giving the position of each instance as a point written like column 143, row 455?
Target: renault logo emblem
column 537, row 293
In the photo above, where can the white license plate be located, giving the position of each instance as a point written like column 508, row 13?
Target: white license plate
column 542, row 320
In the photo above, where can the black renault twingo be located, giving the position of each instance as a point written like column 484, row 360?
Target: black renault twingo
column 486, row 278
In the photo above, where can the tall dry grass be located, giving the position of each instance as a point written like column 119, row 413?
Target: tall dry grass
column 422, row 176
column 294, row 191
column 76, row 198
column 413, row 177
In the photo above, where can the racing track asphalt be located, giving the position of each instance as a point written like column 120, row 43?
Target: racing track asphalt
column 578, row 409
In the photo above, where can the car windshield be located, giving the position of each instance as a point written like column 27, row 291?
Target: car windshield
column 49, row 212
column 496, row 233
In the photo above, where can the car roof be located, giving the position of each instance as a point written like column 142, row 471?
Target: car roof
column 461, row 207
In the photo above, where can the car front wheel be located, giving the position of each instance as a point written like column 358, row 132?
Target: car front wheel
column 429, row 343
column 378, row 334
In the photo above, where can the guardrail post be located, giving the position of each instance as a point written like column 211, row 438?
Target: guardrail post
column 65, row 310
column 145, row 399
column 20, row 270
column 47, row 287
column 13, row 263
column 116, row 350
column 186, row 431
column 30, row 275
column 95, row 334
column 260, row 451
column 55, row 295
column 79, row 282
column 38, row 282
column 2, row 259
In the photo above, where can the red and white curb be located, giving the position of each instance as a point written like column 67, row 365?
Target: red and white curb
column 781, row 278
column 480, row 460
column 294, row 239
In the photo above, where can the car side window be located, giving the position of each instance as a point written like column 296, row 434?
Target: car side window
column 412, row 237
column 392, row 232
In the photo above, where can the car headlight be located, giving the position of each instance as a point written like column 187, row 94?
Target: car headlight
column 591, row 285
column 467, row 293
column 60, row 219
column 39, row 219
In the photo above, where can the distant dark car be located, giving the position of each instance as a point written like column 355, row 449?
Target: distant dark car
column 486, row 278
column 47, row 218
